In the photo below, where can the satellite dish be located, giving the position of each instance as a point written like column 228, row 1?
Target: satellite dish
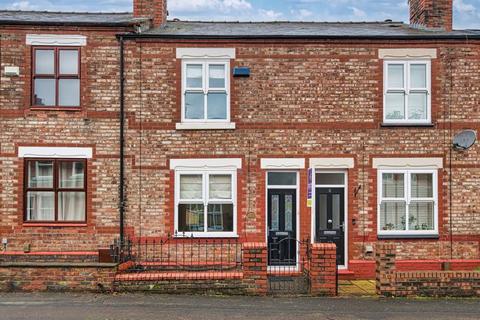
column 464, row 140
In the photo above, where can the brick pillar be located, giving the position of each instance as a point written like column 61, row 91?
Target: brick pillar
column 385, row 254
column 323, row 269
column 255, row 267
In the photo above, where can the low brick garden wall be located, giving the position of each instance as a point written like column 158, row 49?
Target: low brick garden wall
column 394, row 283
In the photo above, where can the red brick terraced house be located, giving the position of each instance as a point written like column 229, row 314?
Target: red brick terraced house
column 280, row 133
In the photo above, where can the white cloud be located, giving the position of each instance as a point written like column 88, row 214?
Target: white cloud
column 463, row 7
column 358, row 13
column 269, row 15
column 22, row 5
column 206, row 5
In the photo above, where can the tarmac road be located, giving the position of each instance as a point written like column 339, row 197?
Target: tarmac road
column 68, row 306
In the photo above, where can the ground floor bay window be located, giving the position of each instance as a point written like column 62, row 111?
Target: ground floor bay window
column 205, row 202
column 407, row 203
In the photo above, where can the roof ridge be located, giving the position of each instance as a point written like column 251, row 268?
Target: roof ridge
column 289, row 21
column 65, row 12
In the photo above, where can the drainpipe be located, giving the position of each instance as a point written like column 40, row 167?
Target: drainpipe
column 122, row 144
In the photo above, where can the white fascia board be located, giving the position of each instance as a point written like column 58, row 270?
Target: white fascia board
column 206, row 53
column 64, row 40
column 332, row 163
column 214, row 163
column 282, row 163
column 55, row 152
column 407, row 53
column 414, row 163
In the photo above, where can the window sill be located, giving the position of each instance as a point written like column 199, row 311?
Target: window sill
column 74, row 109
column 407, row 236
column 407, row 125
column 62, row 225
column 196, row 235
column 205, row 126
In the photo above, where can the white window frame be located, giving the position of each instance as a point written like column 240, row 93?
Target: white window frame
column 205, row 201
column 408, row 199
column 407, row 90
column 206, row 88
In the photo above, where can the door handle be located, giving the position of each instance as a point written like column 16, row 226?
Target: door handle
column 330, row 221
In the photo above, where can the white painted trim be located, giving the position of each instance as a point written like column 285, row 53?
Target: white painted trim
column 408, row 199
column 55, row 152
column 206, row 53
column 63, row 40
column 282, row 163
column 427, row 163
column 326, row 163
column 213, row 163
column 407, row 53
column 205, row 126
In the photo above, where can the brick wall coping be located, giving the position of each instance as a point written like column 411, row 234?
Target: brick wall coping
column 324, row 245
column 56, row 265
column 254, row 245
column 48, row 253
column 437, row 274
column 181, row 275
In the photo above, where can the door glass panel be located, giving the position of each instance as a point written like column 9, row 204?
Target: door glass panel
column 336, row 211
column 322, row 223
column 275, row 205
column 282, row 178
column 330, row 178
column 288, row 212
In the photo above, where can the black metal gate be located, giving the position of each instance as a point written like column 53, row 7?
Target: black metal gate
column 288, row 266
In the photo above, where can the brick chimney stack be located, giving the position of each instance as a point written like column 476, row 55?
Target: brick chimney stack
column 154, row 9
column 431, row 14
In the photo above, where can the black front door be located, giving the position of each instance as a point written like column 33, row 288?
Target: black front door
column 282, row 227
column 330, row 219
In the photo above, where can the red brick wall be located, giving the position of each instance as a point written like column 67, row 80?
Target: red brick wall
column 432, row 13
column 323, row 269
column 96, row 125
column 254, row 257
column 155, row 9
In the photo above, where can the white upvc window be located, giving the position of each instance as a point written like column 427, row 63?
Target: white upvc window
column 407, row 92
column 206, row 90
column 407, row 202
column 205, row 203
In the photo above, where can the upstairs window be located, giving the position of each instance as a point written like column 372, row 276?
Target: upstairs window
column 407, row 96
column 206, row 90
column 408, row 202
column 56, row 77
column 55, row 190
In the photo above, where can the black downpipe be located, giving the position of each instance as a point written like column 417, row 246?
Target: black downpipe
column 122, row 144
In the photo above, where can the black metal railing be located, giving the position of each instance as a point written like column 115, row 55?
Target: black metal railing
column 179, row 254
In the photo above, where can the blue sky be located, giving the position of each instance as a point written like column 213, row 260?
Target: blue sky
column 466, row 13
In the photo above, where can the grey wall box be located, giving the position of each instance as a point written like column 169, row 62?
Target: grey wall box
column 241, row 72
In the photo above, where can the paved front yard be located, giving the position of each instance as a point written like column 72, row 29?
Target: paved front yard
column 138, row 306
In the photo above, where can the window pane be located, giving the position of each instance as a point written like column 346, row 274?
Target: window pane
column 191, row 187
column 217, row 76
column 190, row 217
column 421, row 216
column 282, row 178
column 68, row 61
column 194, row 76
column 44, row 92
column 220, row 217
column 72, row 174
column 393, row 215
column 395, row 106
column 395, row 76
column 417, row 106
column 217, row 106
column 69, row 92
column 418, row 76
column 330, row 178
column 336, row 205
column 322, row 219
column 40, row 206
column 220, row 187
column 393, row 185
column 40, row 174
column 422, row 185
column 194, row 105
column 71, row 206
column 44, row 62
